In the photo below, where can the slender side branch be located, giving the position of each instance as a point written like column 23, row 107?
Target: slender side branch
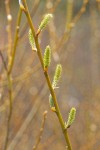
column 69, row 14
column 3, row 61
column 10, row 100
column 72, row 23
column 54, row 6
column 47, row 76
column 9, row 77
column 9, row 19
column 10, row 110
column 15, row 42
column 41, row 130
column 98, row 4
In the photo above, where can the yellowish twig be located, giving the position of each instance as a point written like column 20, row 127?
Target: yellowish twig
column 61, row 121
column 4, row 63
column 80, row 13
column 51, row 26
column 10, row 111
column 66, row 35
column 11, row 57
column 10, row 100
column 41, row 130
column 52, row 7
column 69, row 14
column 34, row 9
column 9, row 19
column 15, row 42
column 98, row 4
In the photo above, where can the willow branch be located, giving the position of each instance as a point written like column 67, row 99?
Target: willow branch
column 26, row 11
column 9, row 78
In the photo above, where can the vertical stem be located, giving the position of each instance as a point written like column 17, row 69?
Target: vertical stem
column 9, row 77
column 47, row 76
column 10, row 100
column 10, row 110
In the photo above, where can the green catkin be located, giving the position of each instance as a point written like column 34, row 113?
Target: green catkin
column 51, row 103
column 47, row 57
column 71, row 117
column 31, row 39
column 45, row 21
column 57, row 75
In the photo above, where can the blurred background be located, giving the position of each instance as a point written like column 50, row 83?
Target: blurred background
column 74, row 37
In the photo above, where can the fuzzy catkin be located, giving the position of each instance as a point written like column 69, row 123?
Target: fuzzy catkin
column 47, row 57
column 51, row 101
column 71, row 116
column 45, row 21
column 57, row 75
column 31, row 39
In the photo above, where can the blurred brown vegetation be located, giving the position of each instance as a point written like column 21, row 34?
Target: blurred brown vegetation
column 79, row 55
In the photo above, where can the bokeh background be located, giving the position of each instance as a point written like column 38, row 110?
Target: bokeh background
column 79, row 54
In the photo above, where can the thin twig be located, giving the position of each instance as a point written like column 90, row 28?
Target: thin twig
column 15, row 41
column 47, row 76
column 28, row 119
column 9, row 77
column 69, row 12
column 98, row 4
column 10, row 111
column 4, row 63
column 51, row 26
column 54, row 6
column 10, row 101
column 21, row 77
column 9, row 19
column 34, row 9
column 41, row 130
column 66, row 35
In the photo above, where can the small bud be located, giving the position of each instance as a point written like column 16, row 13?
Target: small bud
column 31, row 40
column 45, row 112
column 51, row 102
column 47, row 57
column 71, row 117
column 44, row 22
column 9, row 17
column 57, row 75
column 53, row 109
